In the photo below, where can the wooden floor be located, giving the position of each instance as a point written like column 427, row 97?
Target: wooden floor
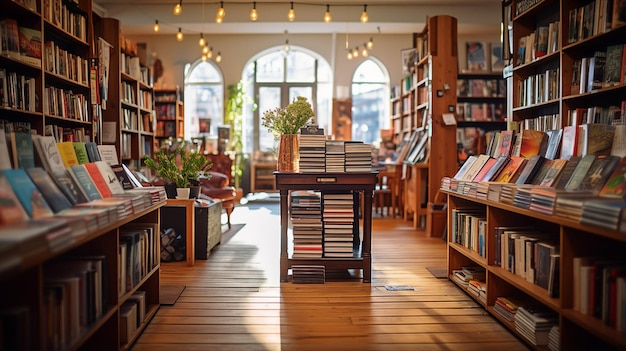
column 235, row 301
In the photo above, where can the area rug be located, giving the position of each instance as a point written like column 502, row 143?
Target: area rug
column 438, row 272
column 169, row 294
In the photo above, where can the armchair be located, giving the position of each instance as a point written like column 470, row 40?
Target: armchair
column 218, row 186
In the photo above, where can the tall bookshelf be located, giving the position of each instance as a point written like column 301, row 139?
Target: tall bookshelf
column 38, row 88
column 426, row 95
column 128, row 115
column 550, row 107
column 170, row 120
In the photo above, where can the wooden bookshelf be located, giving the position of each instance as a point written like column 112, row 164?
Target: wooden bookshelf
column 262, row 177
column 170, row 120
column 128, row 119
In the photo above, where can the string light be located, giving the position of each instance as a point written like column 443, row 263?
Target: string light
column 219, row 57
column 156, row 26
column 205, row 50
column 355, row 52
column 210, row 53
column 287, row 45
column 291, row 15
column 253, row 14
column 201, row 41
column 178, row 9
column 364, row 17
column 370, row 43
column 349, row 55
column 179, row 35
column 327, row 17
column 221, row 13
column 204, row 58
column 364, row 52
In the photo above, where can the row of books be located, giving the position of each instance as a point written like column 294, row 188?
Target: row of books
column 20, row 42
column 543, row 41
column 64, row 63
column 17, row 91
column 480, row 111
column 132, row 314
column 478, row 87
column 534, row 322
column 595, row 18
column 606, row 68
column 539, row 88
column 413, row 150
column 66, row 17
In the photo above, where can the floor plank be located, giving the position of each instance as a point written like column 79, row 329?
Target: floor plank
column 235, row 300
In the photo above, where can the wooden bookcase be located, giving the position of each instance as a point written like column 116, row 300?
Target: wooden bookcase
column 425, row 96
column 23, row 289
column 128, row 118
column 578, row 331
column 262, row 176
column 170, row 120
column 46, row 84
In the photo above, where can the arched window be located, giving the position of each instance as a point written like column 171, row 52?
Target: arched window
column 275, row 78
column 370, row 101
column 204, row 99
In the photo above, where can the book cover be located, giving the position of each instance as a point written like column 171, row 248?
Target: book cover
column 49, row 189
column 22, row 149
column 595, row 76
column 534, row 142
column 615, row 185
column 486, row 168
column 30, row 45
column 618, row 148
column 512, row 170
column 506, row 143
column 476, row 166
column 569, row 143
column 596, row 139
column 556, row 167
column 11, row 211
column 476, row 56
column 85, row 183
column 580, row 172
column 530, row 170
column 496, row 169
column 543, row 171
column 51, row 153
column 542, row 264
column 68, row 186
column 92, row 151
column 67, row 153
column 554, row 142
column 30, row 197
column 10, row 46
column 108, row 153
column 110, row 177
column 98, row 180
column 81, row 152
column 600, row 170
column 613, row 65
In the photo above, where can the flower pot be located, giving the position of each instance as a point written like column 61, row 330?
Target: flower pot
column 194, row 191
column 170, row 190
column 288, row 153
column 182, row 193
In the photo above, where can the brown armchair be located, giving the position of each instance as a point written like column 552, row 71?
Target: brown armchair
column 217, row 186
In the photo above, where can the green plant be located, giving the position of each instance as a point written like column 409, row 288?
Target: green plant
column 179, row 166
column 288, row 120
column 237, row 99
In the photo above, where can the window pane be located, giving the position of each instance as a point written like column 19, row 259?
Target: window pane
column 203, row 107
column 368, row 111
column 204, row 72
column 269, row 99
column 306, row 92
column 369, row 72
column 324, row 73
column 300, row 67
column 270, row 68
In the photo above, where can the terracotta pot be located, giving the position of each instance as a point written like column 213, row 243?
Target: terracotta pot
column 288, row 153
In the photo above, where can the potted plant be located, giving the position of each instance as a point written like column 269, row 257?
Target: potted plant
column 237, row 98
column 179, row 166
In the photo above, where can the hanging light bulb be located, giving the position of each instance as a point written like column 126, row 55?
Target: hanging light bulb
column 210, row 53
column 287, row 45
column 291, row 15
column 219, row 57
column 221, row 13
column 179, row 35
column 327, row 17
column 355, row 52
column 201, row 41
column 178, row 8
column 370, row 43
column 349, row 55
column 204, row 58
column 364, row 52
column 253, row 14
column 364, row 17
column 205, row 50
column 156, row 26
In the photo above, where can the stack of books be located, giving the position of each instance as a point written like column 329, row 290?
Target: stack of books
column 535, row 322
column 305, row 274
column 306, row 219
column 335, row 156
column 553, row 338
column 338, row 215
column 358, row 157
column 507, row 307
column 312, row 147
column 464, row 275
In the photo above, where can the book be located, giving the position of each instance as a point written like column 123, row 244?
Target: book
column 567, row 172
column 485, row 169
column 22, row 150
column 5, row 158
column 495, row 170
column 50, row 152
column 11, row 211
column 10, row 38
column 98, row 180
column 30, row 45
column 556, row 166
column 30, row 197
column 615, row 186
column 600, row 170
column 108, row 153
column 85, row 183
column 569, row 142
column 92, row 151
column 110, row 177
column 579, row 173
column 512, row 170
column 476, row 56
column 68, row 186
column 534, row 142
column 81, row 152
column 506, row 143
column 595, row 139
column 595, row 79
column 554, row 143
column 613, row 66
column 530, row 170
column 49, row 189
column 67, row 153
column 618, row 148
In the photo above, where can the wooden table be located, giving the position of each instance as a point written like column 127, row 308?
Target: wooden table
column 337, row 182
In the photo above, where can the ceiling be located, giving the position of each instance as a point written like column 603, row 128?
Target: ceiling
column 385, row 17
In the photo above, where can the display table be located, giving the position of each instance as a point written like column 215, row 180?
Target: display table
column 329, row 182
